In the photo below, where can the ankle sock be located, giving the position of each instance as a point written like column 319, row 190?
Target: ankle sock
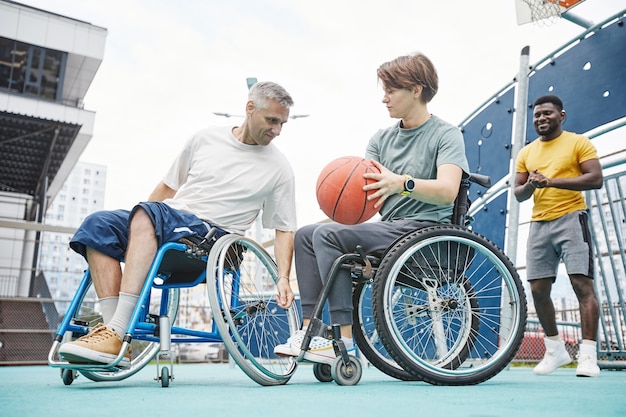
column 125, row 307
column 348, row 342
column 107, row 307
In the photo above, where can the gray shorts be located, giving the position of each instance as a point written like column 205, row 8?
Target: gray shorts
column 567, row 238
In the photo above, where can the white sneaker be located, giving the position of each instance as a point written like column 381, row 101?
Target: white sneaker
column 292, row 346
column 587, row 362
column 320, row 350
column 555, row 357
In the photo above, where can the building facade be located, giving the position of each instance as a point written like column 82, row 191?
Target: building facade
column 47, row 63
column 83, row 193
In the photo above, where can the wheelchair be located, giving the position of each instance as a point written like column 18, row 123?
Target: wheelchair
column 241, row 280
column 442, row 304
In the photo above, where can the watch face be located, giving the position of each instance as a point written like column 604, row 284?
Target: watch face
column 409, row 184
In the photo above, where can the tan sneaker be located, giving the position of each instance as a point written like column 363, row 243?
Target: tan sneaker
column 100, row 345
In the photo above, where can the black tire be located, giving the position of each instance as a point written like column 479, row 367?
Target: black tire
column 165, row 377
column 322, row 372
column 366, row 336
column 68, row 376
column 449, row 306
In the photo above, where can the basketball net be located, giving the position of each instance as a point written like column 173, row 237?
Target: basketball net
column 544, row 12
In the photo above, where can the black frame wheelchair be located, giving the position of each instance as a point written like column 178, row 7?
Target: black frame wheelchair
column 442, row 304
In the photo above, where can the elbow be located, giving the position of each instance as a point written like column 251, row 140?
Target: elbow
column 448, row 199
column 598, row 184
column 520, row 198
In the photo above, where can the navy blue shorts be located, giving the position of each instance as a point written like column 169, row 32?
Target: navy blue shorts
column 107, row 231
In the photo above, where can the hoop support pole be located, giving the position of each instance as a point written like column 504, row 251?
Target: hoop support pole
column 576, row 19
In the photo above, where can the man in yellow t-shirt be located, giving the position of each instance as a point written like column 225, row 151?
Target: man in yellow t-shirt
column 554, row 170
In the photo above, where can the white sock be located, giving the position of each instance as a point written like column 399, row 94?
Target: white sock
column 123, row 312
column 107, row 307
column 589, row 342
column 587, row 348
column 347, row 342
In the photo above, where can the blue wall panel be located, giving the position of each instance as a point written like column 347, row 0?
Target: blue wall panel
column 488, row 148
column 590, row 78
column 588, row 75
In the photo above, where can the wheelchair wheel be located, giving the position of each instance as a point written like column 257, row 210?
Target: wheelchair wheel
column 449, row 306
column 143, row 351
column 322, row 372
column 349, row 374
column 242, row 298
column 366, row 336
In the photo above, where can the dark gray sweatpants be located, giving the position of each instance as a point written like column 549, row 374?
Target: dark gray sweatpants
column 318, row 245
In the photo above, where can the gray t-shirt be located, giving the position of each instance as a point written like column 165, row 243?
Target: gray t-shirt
column 417, row 152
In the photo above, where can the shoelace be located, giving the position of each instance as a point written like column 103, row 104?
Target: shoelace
column 98, row 333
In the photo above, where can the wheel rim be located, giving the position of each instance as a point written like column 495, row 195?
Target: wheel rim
column 500, row 327
column 252, row 324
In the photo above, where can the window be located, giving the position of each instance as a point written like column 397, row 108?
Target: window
column 31, row 70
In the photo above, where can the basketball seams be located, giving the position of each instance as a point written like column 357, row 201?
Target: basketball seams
column 343, row 188
column 340, row 192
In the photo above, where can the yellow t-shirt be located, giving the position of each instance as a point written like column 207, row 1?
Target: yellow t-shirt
column 558, row 158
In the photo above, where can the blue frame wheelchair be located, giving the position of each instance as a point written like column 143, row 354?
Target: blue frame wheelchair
column 442, row 305
column 241, row 281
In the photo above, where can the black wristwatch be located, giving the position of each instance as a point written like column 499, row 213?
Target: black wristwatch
column 409, row 185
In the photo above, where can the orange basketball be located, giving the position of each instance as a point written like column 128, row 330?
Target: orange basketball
column 340, row 190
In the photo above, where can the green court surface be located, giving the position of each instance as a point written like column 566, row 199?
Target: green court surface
column 224, row 390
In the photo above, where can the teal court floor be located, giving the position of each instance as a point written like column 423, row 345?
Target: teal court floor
column 224, row 390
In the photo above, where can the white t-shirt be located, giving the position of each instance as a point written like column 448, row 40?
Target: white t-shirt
column 227, row 183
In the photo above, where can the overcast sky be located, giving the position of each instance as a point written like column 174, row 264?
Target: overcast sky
column 168, row 65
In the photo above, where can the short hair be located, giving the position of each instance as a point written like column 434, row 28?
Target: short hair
column 262, row 91
column 409, row 71
column 549, row 99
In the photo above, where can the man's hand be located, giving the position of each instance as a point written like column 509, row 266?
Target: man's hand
column 538, row 180
column 285, row 296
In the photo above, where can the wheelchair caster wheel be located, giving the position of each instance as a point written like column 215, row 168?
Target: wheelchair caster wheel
column 165, row 377
column 68, row 376
column 349, row 374
column 322, row 372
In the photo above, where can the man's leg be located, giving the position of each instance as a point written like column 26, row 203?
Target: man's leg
column 541, row 290
column 142, row 247
column 556, row 355
column 106, row 275
column 104, row 343
column 589, row 317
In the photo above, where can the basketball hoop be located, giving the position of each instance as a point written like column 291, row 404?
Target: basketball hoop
column 544, row 12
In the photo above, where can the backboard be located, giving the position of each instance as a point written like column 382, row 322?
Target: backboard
column 542, row 12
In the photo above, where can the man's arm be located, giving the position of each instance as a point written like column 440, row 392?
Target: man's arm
column 524, row 189
column 590, row 179
column 283, row 251
column 161, row 192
